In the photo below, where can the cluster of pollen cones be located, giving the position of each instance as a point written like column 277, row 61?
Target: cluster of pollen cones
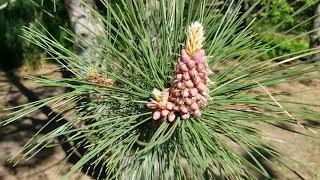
column 94, row 77
column 188, row 92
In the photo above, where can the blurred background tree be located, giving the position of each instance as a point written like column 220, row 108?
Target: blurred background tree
column 14, row 14
column 291, row 18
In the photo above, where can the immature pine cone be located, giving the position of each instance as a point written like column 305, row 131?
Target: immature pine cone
column 189, row 89
column 94, row 77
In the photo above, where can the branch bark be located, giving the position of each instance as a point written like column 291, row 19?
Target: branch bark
column 315, row 35
column 86, row 25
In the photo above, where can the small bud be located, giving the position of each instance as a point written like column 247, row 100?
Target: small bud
column 190, row 64
column 199, row 97
column 180, row 102
column 152, row 105
column 189, row 84
column 176, row 93
column 165, row 95
column 172, row 99
column 179, row 77
column 194, row 106
column 197, row 113
column 179, row 85
column 193, row 91
column 193, row 73
column 200, row 67
column 169, row 106
column 201, row 87
column 162, row 105
column 184, row 109
column 184, row 56
column 185, row 93
column 185, row 116
column 171, row 117
column 201, row 75
column 156, row 115
column 184, row 68
column 188, row 101
column 186, row 76
column 203, row 102
column 196, row 80
column 164, row 113
column 176, row 107
column 205, row 94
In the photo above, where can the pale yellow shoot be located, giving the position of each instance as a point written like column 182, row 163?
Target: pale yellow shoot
column 93, row 72
column 195, row 38
column 160, row 96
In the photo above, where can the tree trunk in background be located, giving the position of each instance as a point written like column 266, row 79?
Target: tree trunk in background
column 245, row 5
column 87, row 26
column 315, row 35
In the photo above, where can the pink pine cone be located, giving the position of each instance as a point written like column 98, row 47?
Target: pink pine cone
column 188, row 92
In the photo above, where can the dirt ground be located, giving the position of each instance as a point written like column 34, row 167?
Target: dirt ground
column 46, row 164
column 302, row 149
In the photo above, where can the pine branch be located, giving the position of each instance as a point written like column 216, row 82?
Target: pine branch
column 124, row 136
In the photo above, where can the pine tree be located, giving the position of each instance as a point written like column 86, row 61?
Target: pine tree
column 157, row 106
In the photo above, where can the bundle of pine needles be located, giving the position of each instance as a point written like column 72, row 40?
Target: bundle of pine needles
column 119, row 128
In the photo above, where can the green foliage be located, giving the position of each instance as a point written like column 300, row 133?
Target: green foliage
column 277, row 11
column 283, row 11
column 139, row 53
column 14, row 50
column 287, row 16
column 284, row 45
